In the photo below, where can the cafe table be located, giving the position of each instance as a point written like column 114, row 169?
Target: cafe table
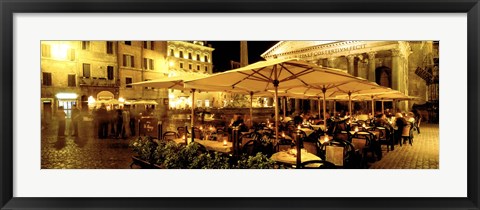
column 289, row 157
column 307, row 131
column 316, row 127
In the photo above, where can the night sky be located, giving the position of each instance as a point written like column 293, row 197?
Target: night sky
column 230, row 50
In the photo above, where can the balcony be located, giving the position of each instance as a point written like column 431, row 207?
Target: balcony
column 96, row 82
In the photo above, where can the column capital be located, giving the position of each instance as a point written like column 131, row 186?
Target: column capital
column 351, row 58
column 371, row 54
column 395, row 52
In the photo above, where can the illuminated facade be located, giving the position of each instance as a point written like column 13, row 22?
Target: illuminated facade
column 190, row 57
column 71, row 71
column 408, row 66
column 82, row 72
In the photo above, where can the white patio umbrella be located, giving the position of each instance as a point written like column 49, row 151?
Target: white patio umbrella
column 385, row 94
column 177, row 83
column 326, row 91
column 275, row 74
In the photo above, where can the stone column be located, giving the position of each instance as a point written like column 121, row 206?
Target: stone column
column 330, row 62
column 243, row 53
column 371, row 67
column 396, row 70
column 312, row 105
column 297, row 105
column 351, row 64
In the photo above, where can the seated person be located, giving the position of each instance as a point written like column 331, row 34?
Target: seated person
column 237, row 120
column 381, row 121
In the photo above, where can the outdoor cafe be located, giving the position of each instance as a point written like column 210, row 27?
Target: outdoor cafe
column 316, row 141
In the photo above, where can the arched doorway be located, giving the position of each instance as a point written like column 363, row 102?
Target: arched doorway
column 383, row 76
column 105, row 95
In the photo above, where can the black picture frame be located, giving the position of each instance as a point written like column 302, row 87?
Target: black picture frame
column 10, row 7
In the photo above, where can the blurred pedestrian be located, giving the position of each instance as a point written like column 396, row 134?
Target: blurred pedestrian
column 103, row 120
column 126, row 124
column 75, row 120
column 60, row 115
column 119, row 123
column 112, row 121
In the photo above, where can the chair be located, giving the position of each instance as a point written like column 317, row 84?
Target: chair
column 311, row 147
column 385, row 137
column 407, row 134
column 317, row 164
column 342, row 135
column 170, row 136
column 181, row 131
column 339, row 152
column 250, row 148
column 362, row 147
column 197, row 133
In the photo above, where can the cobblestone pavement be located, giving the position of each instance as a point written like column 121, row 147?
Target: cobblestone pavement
column 424, row 154
column 84, row 151
column 87, row 152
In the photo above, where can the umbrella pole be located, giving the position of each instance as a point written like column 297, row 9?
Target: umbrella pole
column 373, row 106
column 284, row 107
column 394, row 106
column 319, row 108
column 350, row 104
column 324, row 109
column 334, row 107
column 275, row 84
column 192, row 120
column 251, row 109
column 383, row 110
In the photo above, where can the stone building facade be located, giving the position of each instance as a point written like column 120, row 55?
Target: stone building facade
column 391, row 64
column 72, row 72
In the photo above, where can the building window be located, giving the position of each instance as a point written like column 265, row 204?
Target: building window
column 46, row 50
column 71, row 54
column 206, row 59
column 86, row 70
column 128, row 60
column 148, row 63
column 180, row 54
column 128, row 43
column 71, row 80
column 128, row 81
column 190, row 66
column 109, row 47
column 198, row 57
column 47, row 78
column 198, row 67
column 148, row 45
column 85, row 45
column 171, row 52
column 190, row 56
column 181, row 65
column 199, row 103
column 206, row 68
column 110, row 72
column 207, row 103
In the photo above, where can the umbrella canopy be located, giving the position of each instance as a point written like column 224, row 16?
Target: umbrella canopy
column 324, row 91
column 275, row 74
column 178, row 83
column 385, row 94
column 175, row 82
column 145, row 102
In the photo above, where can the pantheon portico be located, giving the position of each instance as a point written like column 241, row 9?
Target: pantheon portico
column 389, row 63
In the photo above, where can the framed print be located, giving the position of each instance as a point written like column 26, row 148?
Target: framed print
column 107, row 56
